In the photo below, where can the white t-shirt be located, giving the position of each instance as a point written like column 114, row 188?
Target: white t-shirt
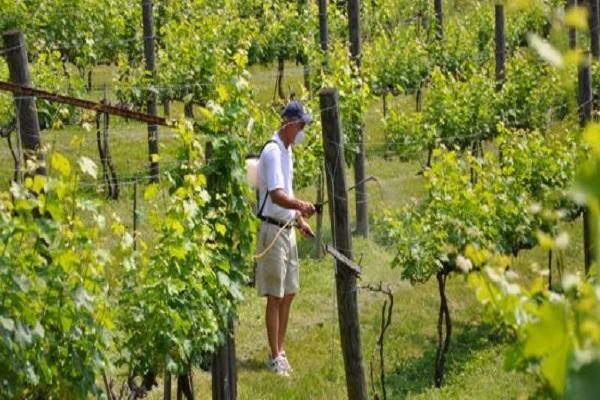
column 275, row 171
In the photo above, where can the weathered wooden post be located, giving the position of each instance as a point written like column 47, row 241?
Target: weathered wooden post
column 319, row 229
column 101, row 153
column 324, row 42
column 167, row 108
column 136, row 216
column 109, row 174
column 362, row 216
column 346, row 288
column 224, row 371
column 572, row 31
column 500, row 46
column 302, row 5
column 151, row 70
column 223, row 368
column 386, row 143
column 280, row 76
column 167, row 386
column 185, row 386
column 323, row 28
column 28, row 126
column 419, row 98
column 439, row 16
column 594, row 21
column 585, row 115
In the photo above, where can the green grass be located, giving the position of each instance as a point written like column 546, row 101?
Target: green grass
column 475, row 367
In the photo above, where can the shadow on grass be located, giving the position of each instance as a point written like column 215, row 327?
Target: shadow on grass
column 252, row 364
column 415, row 375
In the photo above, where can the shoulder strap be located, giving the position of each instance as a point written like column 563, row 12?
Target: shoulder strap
column 264, row 202
column 265, row 145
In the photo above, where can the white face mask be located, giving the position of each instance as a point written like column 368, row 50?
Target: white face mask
column 299, row 139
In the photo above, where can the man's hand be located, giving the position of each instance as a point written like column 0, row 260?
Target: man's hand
column 305, row 229
column 279, row 197
column 306, row 209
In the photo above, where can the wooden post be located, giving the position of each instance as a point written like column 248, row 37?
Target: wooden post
column 439, row 15
column 324, row 41
column 572, row 31
column 89, row 81
column 167, row 386
column 385, row 132
column 302, row 4
column 323, row 29
column 223, row 369
column 28, row 126
column 167, row 108
column 151, row 70
column 306, row 69
column 232, row 358
column 594, row 20
column 585, row 92
column 500, row 46
column 362, row 215
column 135, row 214
column 108, row 164
column 105, row 124
column 185, row 386
column 354, row 32
column 585, row 115
column 224, row 374
column 101, row 153
column 188, row 109
column 423, row 17
column 345, row 278
column 319, row 230
column 280, row 76
column 549, row 269
column 161, row 20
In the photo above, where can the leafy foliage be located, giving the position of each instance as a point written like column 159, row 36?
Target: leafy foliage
column 60, row 321
column 54, row 320
column 557, row 333
column 175, row 303
column 282, row 30
column 488, row 214
column 397, row 69
column 461, row 112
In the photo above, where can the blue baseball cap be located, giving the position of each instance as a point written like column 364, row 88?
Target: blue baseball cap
column 294, row 110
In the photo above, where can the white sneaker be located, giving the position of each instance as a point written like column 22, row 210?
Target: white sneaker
column 288, row 366
column 278, row 365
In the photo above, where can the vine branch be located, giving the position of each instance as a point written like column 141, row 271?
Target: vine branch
column 386, row 320
column 443, row 336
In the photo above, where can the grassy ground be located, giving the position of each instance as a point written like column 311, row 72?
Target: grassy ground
column 475, row 361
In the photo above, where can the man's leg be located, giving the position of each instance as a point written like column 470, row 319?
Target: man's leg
column 273, row 321
column 284, row 313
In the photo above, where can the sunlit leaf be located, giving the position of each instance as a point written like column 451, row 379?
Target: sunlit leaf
column 61, row 164
column 88, row 166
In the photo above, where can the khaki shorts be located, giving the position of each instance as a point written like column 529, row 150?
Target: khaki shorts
column 277, row 271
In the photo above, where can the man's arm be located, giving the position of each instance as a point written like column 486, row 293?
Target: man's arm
column 304, row 227
column 279, row 197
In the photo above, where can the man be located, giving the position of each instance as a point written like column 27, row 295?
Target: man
column 277, row 275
